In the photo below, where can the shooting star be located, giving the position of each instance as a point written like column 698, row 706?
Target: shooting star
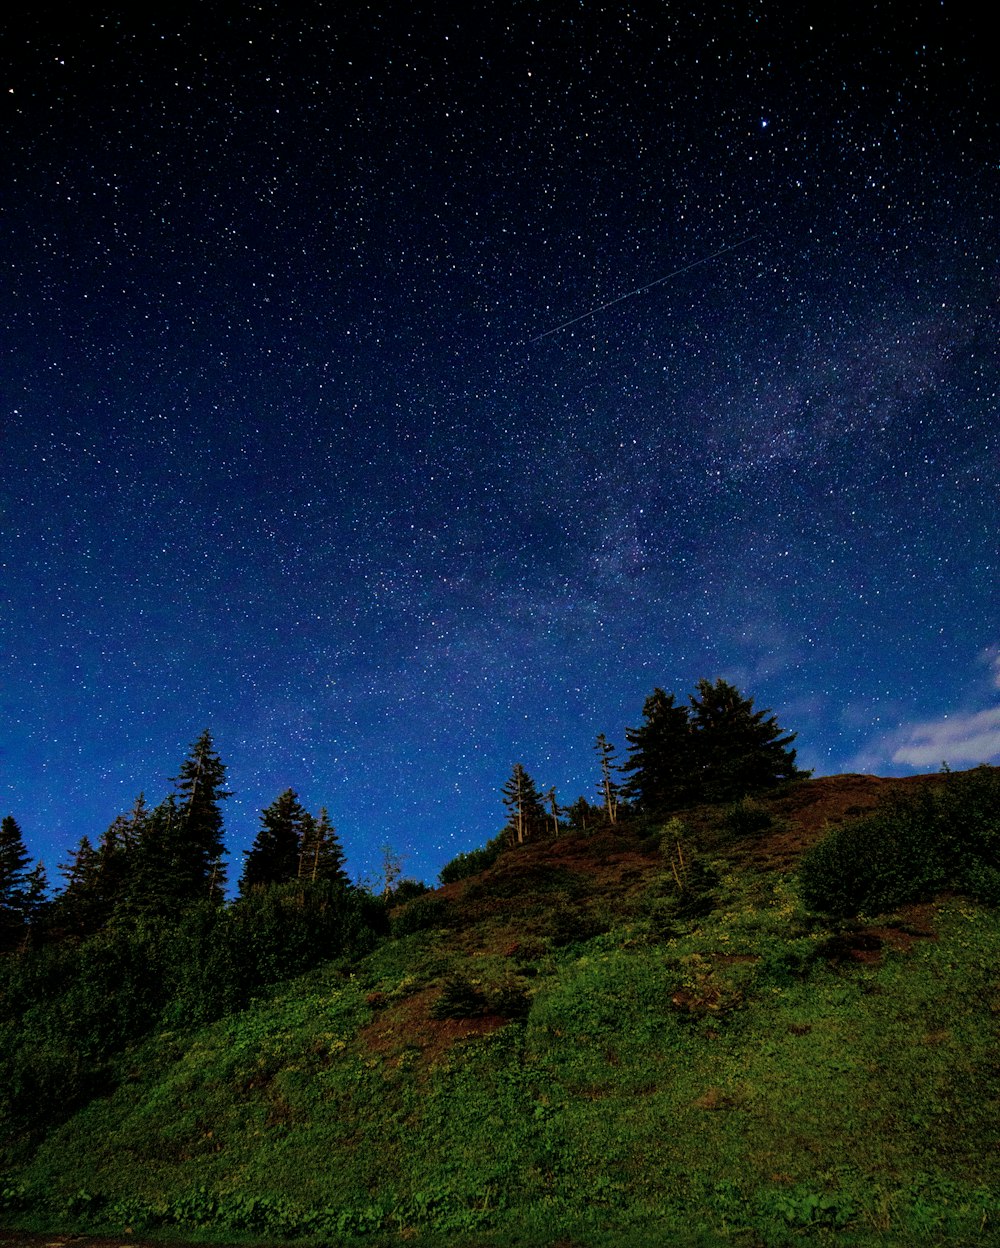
column 639, row 290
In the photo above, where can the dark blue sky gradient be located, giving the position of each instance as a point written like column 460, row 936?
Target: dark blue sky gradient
column 281, row 458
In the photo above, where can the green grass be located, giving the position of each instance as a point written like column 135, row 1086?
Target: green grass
column 733, row 1082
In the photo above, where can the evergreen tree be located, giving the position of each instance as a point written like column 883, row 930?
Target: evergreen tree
column 116, row 863
column 525, row 812
column 738, row 750
column 160, row 881
column 660, row 756
column 555, row 810
column 608, row 787
column 36, row 895
column 274, row 856
column 584, row 814
column 79, row 906
column 14, row 861
column 321, row 855
column 198, row 834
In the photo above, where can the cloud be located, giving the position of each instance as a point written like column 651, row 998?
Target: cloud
column 971, row 738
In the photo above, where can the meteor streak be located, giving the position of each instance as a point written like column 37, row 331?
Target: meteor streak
column 639, row 290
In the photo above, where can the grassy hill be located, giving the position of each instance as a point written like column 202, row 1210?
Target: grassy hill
column 635, row 1037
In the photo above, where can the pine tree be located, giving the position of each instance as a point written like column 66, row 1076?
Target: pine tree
column 79, row 906
column 36, row 895
column 555, row 810
column 321, row 856
column 274, row 856
column 660, row 756
column 526, row 814
column 608, row 788
column 583, row 814
column 198, row 834
column 14, row 861
column 116, row 862
column 738, row 750
column 160, row 878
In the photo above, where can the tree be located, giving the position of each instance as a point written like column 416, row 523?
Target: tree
column 198, row 833
column 661, row 756
column 274, row 856
column 738, row 750
column 79, row 905
column 36, row 895
column 555, row 810
column 608, row 788
column 321, row 855
column 583, row 813
column 14, row 861
column 392, row 869
column 525, row 812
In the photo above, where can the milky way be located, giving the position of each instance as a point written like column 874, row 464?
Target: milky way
column 290, row 452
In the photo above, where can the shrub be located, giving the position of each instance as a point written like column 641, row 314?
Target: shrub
column 420, row 915
column 472, row 863
column 460, row 998
column 746, row 818
column 910, row 848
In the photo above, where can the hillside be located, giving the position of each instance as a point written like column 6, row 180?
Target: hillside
column 634, row 1037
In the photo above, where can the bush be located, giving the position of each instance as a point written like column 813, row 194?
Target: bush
column 688, row 887
column 746, row 818
column 460, row 998
column 472, row 863
column 910, row 848
column 420, row 915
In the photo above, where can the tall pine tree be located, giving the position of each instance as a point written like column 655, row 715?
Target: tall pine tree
column 660, row 756
column 79, row 908
column 609, row 788
column 321, row 856
column 14, row 861
column 738, row 750
column 525, row 812
column 199, row 847
column 274, row 857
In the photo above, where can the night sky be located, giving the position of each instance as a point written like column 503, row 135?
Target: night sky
column 290, row 452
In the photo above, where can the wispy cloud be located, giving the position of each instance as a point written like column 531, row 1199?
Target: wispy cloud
column 964, row 738
column 955, row 739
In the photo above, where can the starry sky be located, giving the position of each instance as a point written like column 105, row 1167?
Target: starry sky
column 299, row 443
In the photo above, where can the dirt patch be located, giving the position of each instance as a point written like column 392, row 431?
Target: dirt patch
column 24, row 1239
column 406, row 1026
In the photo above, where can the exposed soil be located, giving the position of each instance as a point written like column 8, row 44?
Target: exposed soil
column 24, row 1239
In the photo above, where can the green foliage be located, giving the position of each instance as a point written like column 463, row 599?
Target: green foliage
column 688, row 886
column 71, row 1009
column 806, row 1210
column 910, row 848
column 275, row 857
column 746, row 818
column 661, row 756
column 738, row 750
column 526, row 817
column 16, row 905
column 460, row 998
column 420, row 915
column 472, row 863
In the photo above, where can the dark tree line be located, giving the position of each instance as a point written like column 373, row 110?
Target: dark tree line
column 161, row 861
column 715, row 747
